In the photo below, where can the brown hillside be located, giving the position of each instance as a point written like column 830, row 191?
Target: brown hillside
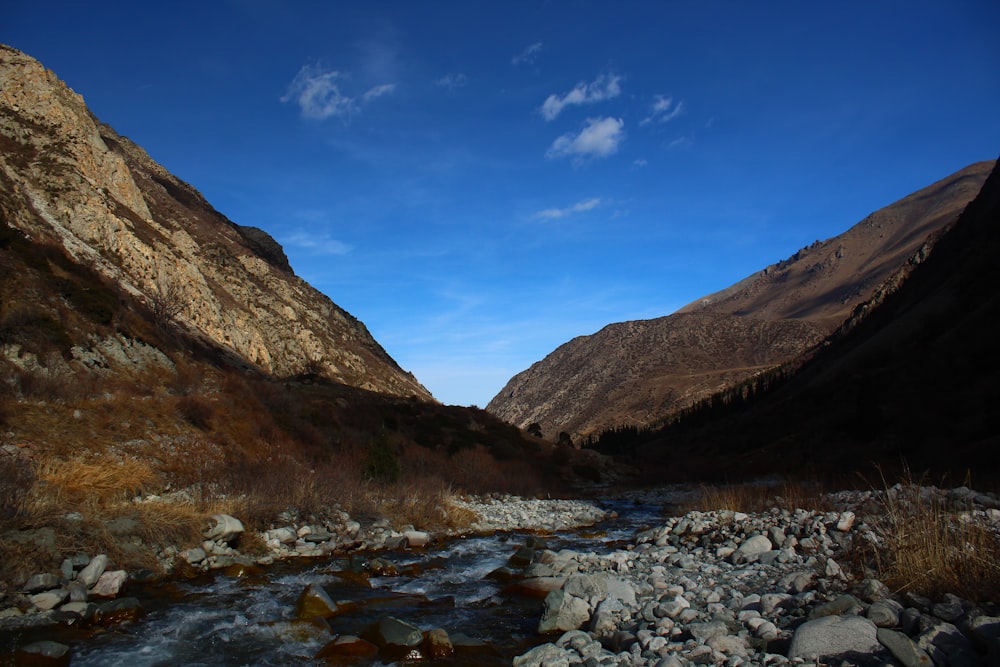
column 637, row 372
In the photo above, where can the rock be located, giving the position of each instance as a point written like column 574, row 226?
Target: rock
column 40, row 582
column 904, row 649
column 417, row 538
column 315, row 602
column 282, row 535
column 751, row 548
column 673, row 607
column 224, row 528
column 834, row 637
column 110, row 584
column 85, row 610
column 382, row 567
column 437, row 644
column 728, row 644
column 885, row 613
column 561, row 612
column 950, row 609
column 844, row 604
column 49, row 599
column 43, row 654
column 194, row 555
column 947, row 646
column 537, row 587
column 522, row 557
column 346, row 649
column 390, row 632
column 845, row 521
column 546, row 655
column 872, row 590
column 77, row 591
column 119, row 611
column 705, row 631
column 89, row 575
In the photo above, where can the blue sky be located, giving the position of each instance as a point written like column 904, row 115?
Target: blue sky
column 480, row 182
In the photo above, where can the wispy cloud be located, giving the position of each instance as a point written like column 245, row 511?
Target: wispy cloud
column 604, row 87
column 318, row 94
column 452, row 82
column 640, row 162
column 319, row 244
column 527, row 56
column 600, row 138
column 556, row 213
column 663, row 110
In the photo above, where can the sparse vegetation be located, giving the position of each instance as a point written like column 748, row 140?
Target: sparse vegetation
column 758, row 497
column 924, row 543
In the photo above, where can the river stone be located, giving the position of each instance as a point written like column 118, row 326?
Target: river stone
column 85, row 610
column 417, row 538
column 44, row 653
column 110, row 584
column 119, row 611
column 41, row 582
column 392, row 632
column 833, row 636
column 346, row 647
column 563, row 612
column 382, row 567
column 315, row 602
column 885, row 613
column 522, row 557
column 49, row 599
column 946, row 645
column 904, row 649
column 844, row 604
column 537, row 587
column 546, row 655
column 89, row 575
column 437, row 644
column 753, row 546
column 224, row 528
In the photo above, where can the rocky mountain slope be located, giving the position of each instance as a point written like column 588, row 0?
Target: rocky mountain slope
column 68, row 179
column 912, row 383
column 637, row 372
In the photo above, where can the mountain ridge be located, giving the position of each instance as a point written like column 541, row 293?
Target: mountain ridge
column 72, row 180
column 625, row 374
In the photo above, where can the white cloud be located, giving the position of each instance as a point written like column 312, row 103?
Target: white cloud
column 603, row 88
column 452, row 81
column 319, row 96
column 320, row 244
column 600, row 138
column 579, row 207
column 663, row 110
column 527, row 56
column 640, row 162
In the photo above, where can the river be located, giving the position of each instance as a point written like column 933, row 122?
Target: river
column 250, row 620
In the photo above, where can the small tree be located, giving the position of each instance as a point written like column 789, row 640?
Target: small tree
column 166, row 301
column 535, row 429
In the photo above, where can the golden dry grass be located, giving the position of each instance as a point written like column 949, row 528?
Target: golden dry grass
column 925, row 546
column 757, row 497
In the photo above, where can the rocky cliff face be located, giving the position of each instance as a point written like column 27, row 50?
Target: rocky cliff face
column 635, row 373
column 68, row 179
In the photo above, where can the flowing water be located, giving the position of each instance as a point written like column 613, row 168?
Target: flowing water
column 222, row 620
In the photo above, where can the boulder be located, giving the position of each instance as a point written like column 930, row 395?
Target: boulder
column 345, row 649
column 110, row 584
column 417, row 538
column 546, row 655
column 834, row 637
column 224, row 528
column 437, row 644
column 561, row 612
column 904, row 649
column 389, row 632
column 44, row 653
column 41, row 582
column 751, row 548
column 89, row 575
column 119, row 611
column 315, row 602
column 49, row 599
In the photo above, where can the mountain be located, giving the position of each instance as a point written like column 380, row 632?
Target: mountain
column 68, row 179
column 914, row 382
column 636, row 373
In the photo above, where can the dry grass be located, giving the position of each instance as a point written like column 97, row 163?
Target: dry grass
column 922, row 545
column 758, row 497
column 90, row 486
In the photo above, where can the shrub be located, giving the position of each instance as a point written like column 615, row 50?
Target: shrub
column 196, row 411
column 17, row 476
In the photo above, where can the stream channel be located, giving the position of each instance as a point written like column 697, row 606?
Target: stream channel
column 250, row 620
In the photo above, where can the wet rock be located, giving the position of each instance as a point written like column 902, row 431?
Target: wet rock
column 537, row 587
column 347, row 647
column 119, row 611
column 382, row 567
column 84, row 610
column 522, row 557
column 315, row 602
column 437, row 644
column 390, row 632
column 43, row 654
column 834, row 636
